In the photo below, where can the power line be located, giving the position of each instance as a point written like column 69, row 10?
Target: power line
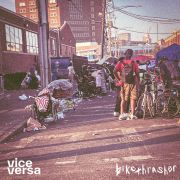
column 141, row 31
column 148, row 18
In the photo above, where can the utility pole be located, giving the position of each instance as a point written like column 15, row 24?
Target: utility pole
column 103, row 28
column 43, row 42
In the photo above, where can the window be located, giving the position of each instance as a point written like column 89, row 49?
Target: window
column 92, row 22
column 32, row 10
column 92, row 9
column 53, row 14
column 32, row 42
column 53, row 21
column 92, row 15
column 53, row 47
column 22, row 4
column 32, row 3
column 22, row 10
column 53, row 8
column 93, row 33
column 93, row 28
column 52, row 1
column 33, row 16
column 13, row 38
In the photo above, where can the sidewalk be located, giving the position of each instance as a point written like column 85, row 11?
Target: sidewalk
column 11, row 108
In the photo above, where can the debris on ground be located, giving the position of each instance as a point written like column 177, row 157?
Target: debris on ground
column 23, row 97
column 33, row 125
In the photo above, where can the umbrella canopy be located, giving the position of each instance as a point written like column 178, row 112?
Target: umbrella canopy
column 141, row 58
column 171, row 52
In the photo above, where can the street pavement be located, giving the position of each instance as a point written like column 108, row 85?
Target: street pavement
column 12, row 112
column 89, row 143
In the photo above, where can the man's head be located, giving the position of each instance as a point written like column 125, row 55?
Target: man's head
column 121, row 59
column 128, row 54
column 162, row 60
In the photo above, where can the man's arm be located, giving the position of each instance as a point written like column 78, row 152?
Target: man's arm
column 137, row 74
column 117, row 73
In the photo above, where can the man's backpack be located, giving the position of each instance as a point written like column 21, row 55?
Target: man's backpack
column 128, row 73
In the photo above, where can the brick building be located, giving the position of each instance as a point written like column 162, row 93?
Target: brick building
column 28, row 8
column 174, row 38
column 83, row 16
column 19, row 42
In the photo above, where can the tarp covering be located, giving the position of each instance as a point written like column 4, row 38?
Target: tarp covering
column 172, row 52
column 62, row 84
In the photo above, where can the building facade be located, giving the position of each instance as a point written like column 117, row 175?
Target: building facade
column 19, row 47
column 174, row 38
column 85, row 17
column 29, row 9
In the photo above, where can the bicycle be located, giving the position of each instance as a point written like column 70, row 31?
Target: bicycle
column 168, row 103
column 145, row 101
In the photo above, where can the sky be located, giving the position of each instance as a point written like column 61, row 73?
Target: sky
column 153, row 8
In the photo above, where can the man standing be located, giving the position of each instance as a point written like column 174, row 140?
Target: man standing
column 129, row 76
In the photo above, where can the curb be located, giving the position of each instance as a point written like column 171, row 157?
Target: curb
column 15, row 131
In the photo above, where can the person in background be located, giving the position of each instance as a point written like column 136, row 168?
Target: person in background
column 98, row 82
column 118, row 85
column 71, row 72
column 129, row 75
column 165, row 74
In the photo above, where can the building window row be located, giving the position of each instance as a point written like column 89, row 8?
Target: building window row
column 22, row 10
column 80, row 28
column 78, row 22
column 92, row 15
column 32, row 10
column 53, row 14
column 31, row 3
column 81, row 34
column 52, row 1
column 21, row 4
column 76, row 16
column 75, row 9
column 92, row 9
column 53, row 21
column 75, row 6
column 33, row 16
column 53, row 8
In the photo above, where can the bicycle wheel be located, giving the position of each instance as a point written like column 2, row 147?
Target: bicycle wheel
column 173, row 106
column 160, row 103
column 150, row 105
column 145, row 103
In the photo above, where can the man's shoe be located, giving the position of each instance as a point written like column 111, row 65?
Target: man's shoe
column 116, row 114
column 123, row 116
column 131, row 117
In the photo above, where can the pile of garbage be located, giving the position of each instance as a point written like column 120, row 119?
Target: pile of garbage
column 49, row 108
